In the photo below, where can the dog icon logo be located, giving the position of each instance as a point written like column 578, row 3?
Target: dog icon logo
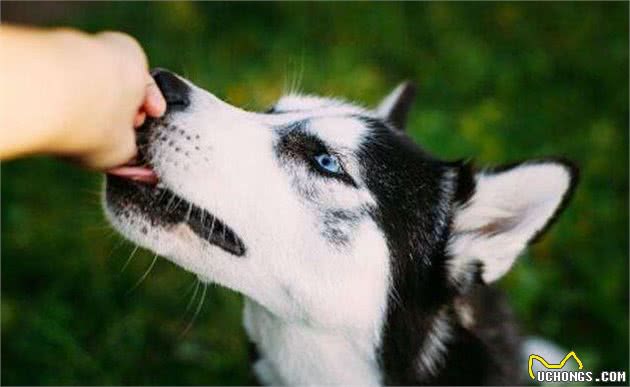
column 545, row 364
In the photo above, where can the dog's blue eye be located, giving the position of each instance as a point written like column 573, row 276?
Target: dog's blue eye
column 328, row 163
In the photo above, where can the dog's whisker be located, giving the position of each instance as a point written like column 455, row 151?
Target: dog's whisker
column 91, row 193
column 110, row 235
column 212, row 226
column 287, row 78
column 196, row 314
column 116, row 246
column 146, row 273
column 190, row 207
column 296, row 81
column 170, row 202
column 129, row 259
column 291, row 81
column 177, row 203
column 190, row 287
column 298, row 86
column 194, row 295
column 161, row 196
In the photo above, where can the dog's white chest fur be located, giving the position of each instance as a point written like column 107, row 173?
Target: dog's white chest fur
column 293, row 353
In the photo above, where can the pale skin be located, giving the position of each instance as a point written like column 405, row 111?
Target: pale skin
column 74, row 95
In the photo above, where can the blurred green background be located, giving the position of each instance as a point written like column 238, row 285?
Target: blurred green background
column 499, row 82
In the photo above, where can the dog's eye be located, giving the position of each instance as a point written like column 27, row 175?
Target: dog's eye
column 328, row 163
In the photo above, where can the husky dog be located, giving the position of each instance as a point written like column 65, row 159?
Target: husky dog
column 362, row 258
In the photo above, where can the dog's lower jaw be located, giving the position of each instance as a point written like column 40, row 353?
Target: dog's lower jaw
column 293, row 353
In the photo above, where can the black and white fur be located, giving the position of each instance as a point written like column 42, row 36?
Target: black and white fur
column 379, row 275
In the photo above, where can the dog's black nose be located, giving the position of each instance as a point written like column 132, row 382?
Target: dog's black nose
column 175, row 91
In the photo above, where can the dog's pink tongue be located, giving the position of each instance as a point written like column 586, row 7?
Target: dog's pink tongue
column 143, row 174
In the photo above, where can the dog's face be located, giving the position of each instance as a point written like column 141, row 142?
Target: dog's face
column 315, row 208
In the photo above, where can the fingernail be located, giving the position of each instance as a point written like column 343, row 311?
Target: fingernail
column 155, row 102
column 139, row 119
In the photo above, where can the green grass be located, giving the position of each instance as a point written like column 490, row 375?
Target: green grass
column 498, row 82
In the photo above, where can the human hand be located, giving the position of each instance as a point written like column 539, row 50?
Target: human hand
column 132, row 96
column 73, row 95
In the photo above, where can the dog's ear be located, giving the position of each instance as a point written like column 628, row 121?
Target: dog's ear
column 504, row 210
column 396, row 105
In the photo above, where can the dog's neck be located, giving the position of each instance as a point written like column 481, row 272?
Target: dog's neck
column 296, row 353
column 453, row 347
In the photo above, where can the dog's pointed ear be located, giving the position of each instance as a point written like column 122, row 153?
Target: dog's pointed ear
column 506, row 209
column 396, row 105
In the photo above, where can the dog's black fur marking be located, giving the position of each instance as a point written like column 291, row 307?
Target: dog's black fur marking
column 162, row 207
column 465, row 181
column 337, row 225
column 409, row 223
column 415, row 212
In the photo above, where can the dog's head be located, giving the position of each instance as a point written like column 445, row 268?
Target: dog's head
column 315, row 208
